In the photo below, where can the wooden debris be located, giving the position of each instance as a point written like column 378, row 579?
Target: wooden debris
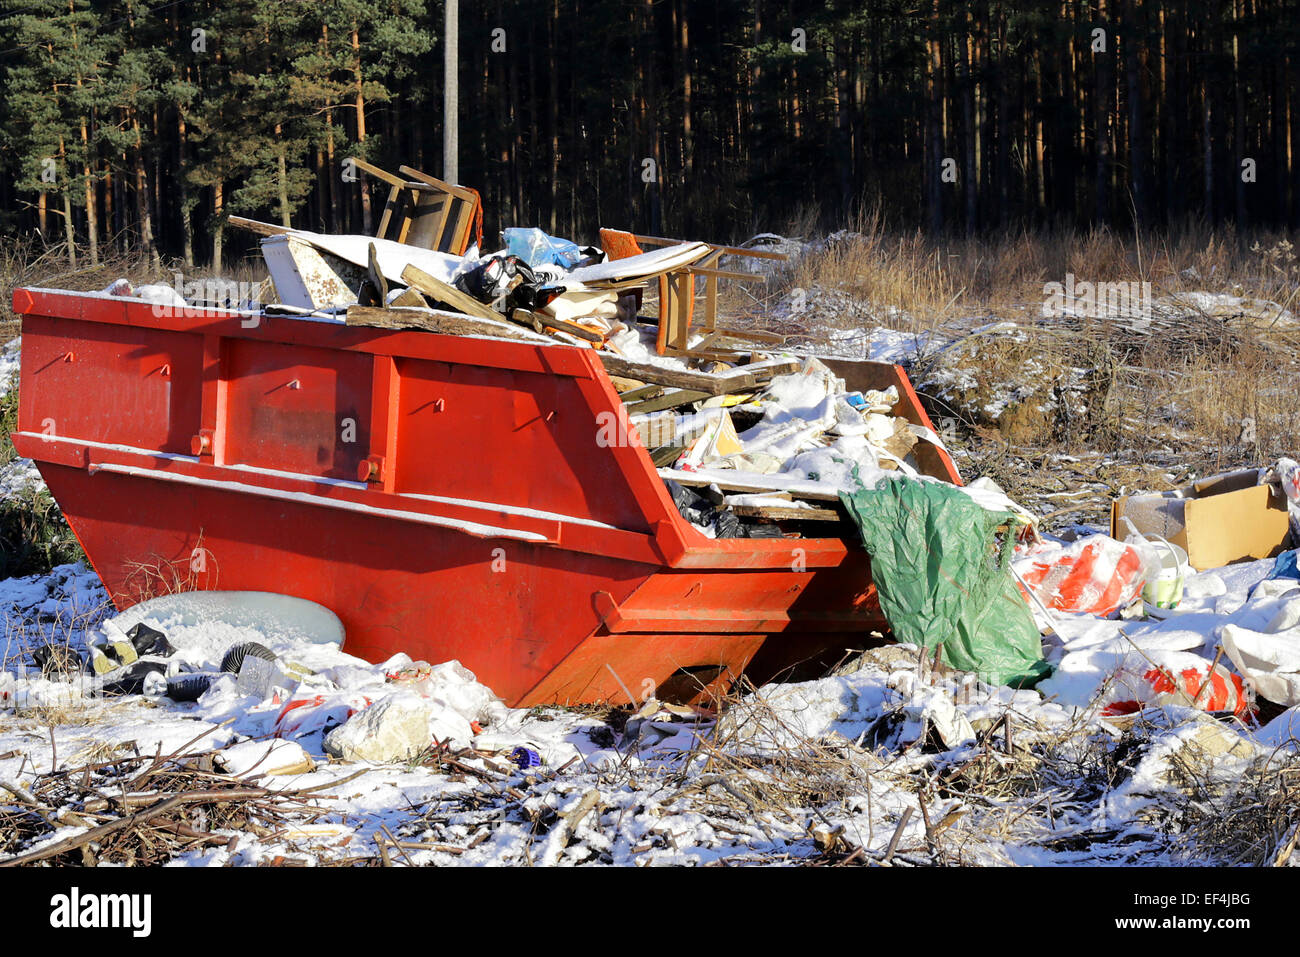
column 898, row 832
column 665, row 455
column 750, row 485
column 668, row 400
column 550, row 322
column 445, row 323
column 773, row 513
column 623, row 386
column 256, row 226
column 742, row 379
column 409, row 297
column 439, row 291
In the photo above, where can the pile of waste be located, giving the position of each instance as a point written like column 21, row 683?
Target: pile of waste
column 751, row 439
column 273, row 667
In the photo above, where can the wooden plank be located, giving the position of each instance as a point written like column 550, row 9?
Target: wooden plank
column 550, row 322
column 756, row 485
column 669, row 400
column 735, row 381
column 457, row 238
column 377, row 173
column 390, row 204
column 752, row 335
column 729, row 274
column 710, row 304
column 728, row 250
column 774, row 513
column 645, row 392
column 665, row 455
column 439, row 291
column 459, row 192
column 256, row 226
column 444, row 323
column 409, row 297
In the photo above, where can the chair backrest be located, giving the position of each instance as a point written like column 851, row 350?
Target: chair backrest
column 424, row 211
column 675, row 306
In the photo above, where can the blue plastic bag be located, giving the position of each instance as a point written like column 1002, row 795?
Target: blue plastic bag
column 538, row 249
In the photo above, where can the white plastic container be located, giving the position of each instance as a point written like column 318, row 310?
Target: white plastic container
column 1165, row 590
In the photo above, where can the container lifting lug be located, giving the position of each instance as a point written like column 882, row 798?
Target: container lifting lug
column 371, row 469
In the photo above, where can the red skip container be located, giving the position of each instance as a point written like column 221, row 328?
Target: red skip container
column 216, row 450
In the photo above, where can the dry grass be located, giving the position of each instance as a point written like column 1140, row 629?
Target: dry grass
column 63, row 634
column 1255, row 823
column 927, row 279
column 141, row 809
column 198, row 571
column 1209, row 386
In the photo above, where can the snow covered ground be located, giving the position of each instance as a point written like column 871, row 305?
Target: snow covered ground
column 894, row 753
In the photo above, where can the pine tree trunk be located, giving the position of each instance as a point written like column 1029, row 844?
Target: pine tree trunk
column 969, row 186
column 1138, row 147
column 688, row 135
column 92, row 224
column 843, row 132
column 112, row 212
column 1101, row 61
column 1207, row 145
column 933, row 151
column 332, row 174
column 367, row 223
column 142, row 194
column 552, row 113
column 183, row 184
column 88, row 177
column 1239, row 119
column 219, row 224
column 69, row 231
column 282, row 177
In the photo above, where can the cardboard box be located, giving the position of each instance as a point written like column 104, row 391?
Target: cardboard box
column 1218, row 520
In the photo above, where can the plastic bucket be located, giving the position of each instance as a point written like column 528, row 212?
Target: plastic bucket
column 1166, row 589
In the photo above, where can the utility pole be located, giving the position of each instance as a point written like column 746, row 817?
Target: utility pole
column 450, row 105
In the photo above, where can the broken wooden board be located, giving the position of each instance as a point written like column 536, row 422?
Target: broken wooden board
column 750, row 483
column 774, row 513
column 726, row 250
column 637, row 392
column 445, row 323
column 436, row 289
column 742, row 379
column 666, row 455
column 669, row 400
column 256, row 226
column 550, row 322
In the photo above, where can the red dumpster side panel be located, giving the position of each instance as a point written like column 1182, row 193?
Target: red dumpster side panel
column 516, row 438
column 509, row 611
column 297, row 409
column 107, row 383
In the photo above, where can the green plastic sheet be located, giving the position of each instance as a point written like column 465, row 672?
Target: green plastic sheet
column 942, row 578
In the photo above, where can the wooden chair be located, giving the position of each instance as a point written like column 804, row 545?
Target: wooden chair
column 677, row 294
column 425, row 211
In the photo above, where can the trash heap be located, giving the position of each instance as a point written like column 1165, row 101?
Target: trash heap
column 272, row 667
column 751, row 440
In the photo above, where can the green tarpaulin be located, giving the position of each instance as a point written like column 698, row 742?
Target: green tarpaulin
column 941, row 578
